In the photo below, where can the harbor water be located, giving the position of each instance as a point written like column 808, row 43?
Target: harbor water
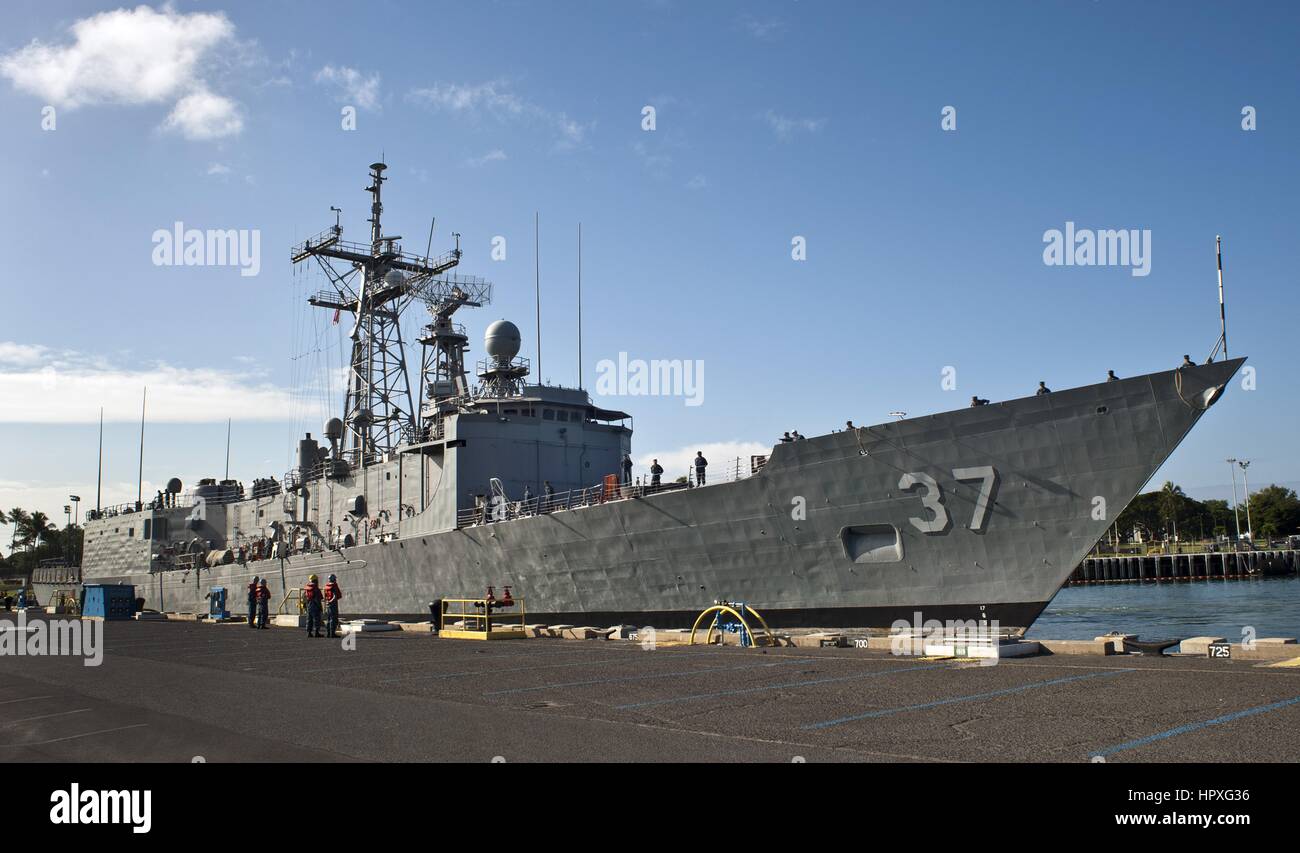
column 1221, row 608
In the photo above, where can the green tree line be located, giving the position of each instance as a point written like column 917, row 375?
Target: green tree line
column 1274, row 513
column 31, row 538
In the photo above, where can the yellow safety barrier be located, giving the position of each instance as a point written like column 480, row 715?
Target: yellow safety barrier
column 476, row 615
column 731, row 609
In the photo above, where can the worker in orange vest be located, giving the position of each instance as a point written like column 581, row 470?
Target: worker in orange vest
column 312, row 598
column 332, row 596
column 263, row 604
column 252, row 602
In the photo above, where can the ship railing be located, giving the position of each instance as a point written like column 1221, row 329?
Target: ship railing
column 498, row 509
column 116, row 509
column 431, row 430
column 727, row 471
column 330, row 467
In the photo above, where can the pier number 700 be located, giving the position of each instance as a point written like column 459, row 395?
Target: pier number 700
column 932, row 499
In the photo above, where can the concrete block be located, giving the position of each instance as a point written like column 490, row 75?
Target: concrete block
column 150, row 616
column 358, row 626
column 815, row 640
column 621, row 632
column 1265, row 651
column 1272, row 641
column 289, row 620
column 1118, row 639
column 558, row 630
column 1198, row 645
column 414, row 627
column 584, row 633
column 1076, row 647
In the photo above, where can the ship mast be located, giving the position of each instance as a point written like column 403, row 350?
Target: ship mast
column 378, row 282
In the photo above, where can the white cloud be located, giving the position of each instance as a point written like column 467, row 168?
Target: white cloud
column 202, row 116
column 785, row 127
column 493, row 156
column 762, row 29
column 218, row 169
column 44, row 385
column 354, row 88
column 722, row 456
column 655, row 161
column 496, row 98
column 134, row 56
column 698, row 182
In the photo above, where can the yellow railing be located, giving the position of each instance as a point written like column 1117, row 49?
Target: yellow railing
column 476, row 615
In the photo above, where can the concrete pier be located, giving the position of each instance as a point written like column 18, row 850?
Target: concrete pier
column 1216, row 565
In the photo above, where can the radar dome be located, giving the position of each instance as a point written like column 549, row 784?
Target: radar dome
column 334, row 428
column 502, row 340
column 174, row 486
column 394, row 278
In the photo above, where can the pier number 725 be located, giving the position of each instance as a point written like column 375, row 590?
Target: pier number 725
column 932, row 498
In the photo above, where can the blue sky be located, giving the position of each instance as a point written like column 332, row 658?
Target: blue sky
column 773, row 120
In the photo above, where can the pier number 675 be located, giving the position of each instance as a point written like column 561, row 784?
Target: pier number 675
column 932, row 498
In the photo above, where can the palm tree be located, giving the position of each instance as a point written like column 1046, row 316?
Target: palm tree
column 17, row 517
column 1171, row 501
column 35, row 529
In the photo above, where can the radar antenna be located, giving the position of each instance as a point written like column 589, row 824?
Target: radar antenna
column 380, row 280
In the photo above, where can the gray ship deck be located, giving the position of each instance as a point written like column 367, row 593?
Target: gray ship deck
column 176, row 691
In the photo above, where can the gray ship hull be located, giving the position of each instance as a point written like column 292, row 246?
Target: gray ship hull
column 975, row 514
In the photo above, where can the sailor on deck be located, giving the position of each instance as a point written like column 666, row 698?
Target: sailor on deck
column 1042, row 389
column 700, row 464
column 656, row 471
column 332, row 596
column 252, row 602
column 263, row 603
column 311, row 597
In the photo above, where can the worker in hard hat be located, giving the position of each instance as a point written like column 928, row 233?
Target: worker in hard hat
column 263, row 604
column 332, row 596
column 252, row 602
column 311, row 597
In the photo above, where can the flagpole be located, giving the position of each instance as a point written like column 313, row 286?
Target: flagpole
column 99, row 477
column 139, row 493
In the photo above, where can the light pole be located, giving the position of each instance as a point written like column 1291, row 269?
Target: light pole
column 1250, row 531
column 1232, row 466
column 76, row 510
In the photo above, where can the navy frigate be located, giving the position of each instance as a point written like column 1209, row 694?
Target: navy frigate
column 978, row 514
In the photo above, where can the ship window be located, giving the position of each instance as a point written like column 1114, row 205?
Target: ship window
column 130, row 533
column 511, row 412
column 148, row 528
column 562, row 415
column 548, row 414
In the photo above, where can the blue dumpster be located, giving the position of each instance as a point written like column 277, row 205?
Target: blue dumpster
column 109, row 601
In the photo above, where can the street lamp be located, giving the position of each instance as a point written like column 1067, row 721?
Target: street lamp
column 1250, row 531
column 76, row 513
column 1232, row 463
